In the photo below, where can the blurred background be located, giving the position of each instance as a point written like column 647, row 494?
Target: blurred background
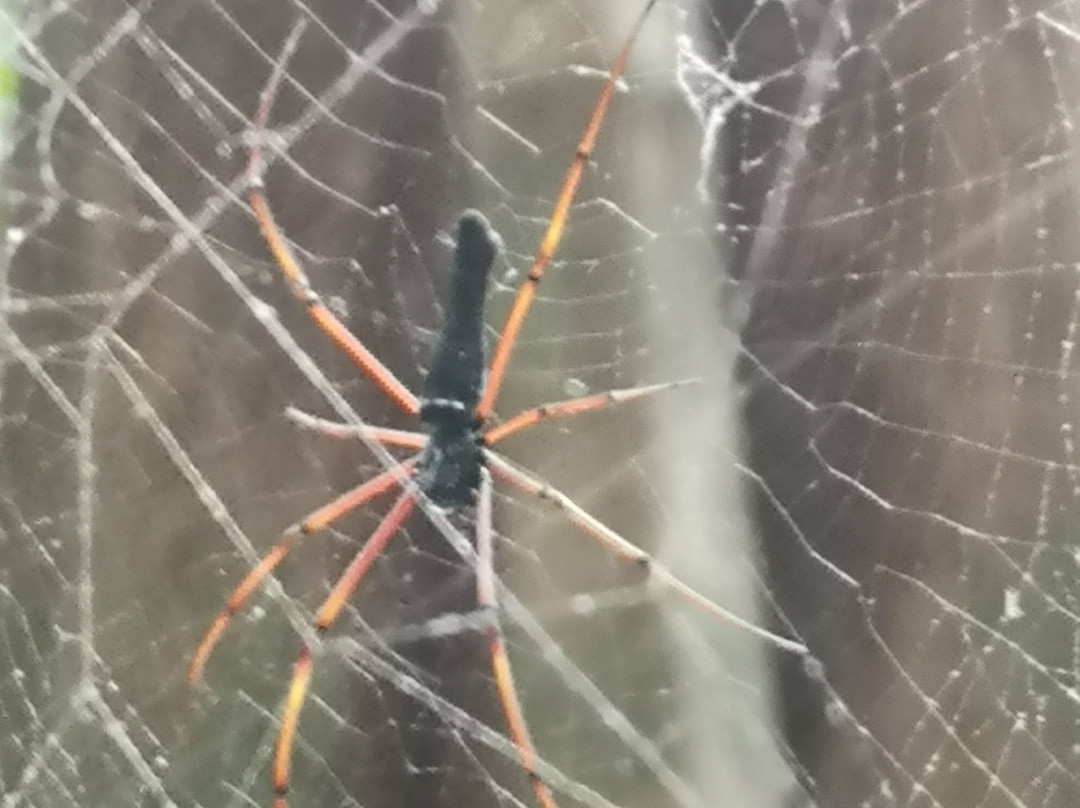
column 853, row 222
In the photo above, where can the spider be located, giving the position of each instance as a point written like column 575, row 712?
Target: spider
column 454, row 462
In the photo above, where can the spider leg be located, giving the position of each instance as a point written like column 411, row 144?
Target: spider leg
column 313, row 522
column 399, row 438
column 620, row 547
column 324, row 618
column 575, row 406
column 556, row 225
column 487, row 599
column 290, row 268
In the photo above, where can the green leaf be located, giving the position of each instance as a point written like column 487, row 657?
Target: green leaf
column 9, row 82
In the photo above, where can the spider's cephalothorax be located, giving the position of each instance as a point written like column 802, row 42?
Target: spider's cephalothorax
column 449, row 468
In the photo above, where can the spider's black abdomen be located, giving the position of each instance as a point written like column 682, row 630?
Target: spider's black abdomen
column 449, row 469
column 457, row 368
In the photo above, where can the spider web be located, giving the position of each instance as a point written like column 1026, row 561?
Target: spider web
column 853, row 222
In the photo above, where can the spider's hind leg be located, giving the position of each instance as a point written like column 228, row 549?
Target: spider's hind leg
column 487, row 599
column 325, row 617
column 312, row 523
column 659, row 575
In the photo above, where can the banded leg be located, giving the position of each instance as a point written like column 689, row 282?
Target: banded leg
column 324, row 618
column 624, row 550
column 327, row 322
column 487, row 599
column 575, row 406
column 556, row 225
column 397, row 438
column 312, row 523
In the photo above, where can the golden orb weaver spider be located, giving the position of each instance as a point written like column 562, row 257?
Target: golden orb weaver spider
column 454, row 461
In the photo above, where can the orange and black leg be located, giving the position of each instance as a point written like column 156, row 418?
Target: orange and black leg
column 312, row 523
column 325, row 617
column 556, row 225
